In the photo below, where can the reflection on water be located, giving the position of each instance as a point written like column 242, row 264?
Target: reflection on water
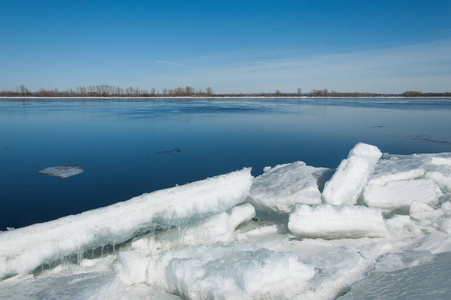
column 129, row 147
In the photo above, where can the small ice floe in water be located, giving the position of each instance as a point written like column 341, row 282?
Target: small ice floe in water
column 62, row 171
column 172, row 151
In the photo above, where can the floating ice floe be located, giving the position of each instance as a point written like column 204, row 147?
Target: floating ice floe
column 199, row 241
column 62, row 171
column 279, row 188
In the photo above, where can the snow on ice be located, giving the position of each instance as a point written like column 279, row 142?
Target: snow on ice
column 277, row 236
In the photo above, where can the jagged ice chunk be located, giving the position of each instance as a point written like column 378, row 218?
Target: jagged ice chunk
column 352, row 175
column 279, row 188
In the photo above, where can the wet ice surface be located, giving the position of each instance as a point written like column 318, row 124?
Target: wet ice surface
column 206, row 240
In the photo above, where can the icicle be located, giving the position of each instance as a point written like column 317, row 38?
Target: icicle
column 79, row 258
column 179, row 229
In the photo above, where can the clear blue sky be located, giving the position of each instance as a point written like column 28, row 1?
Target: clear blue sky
column 231, row 46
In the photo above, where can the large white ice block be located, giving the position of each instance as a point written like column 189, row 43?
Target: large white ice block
column 352, row 175
column 280, row 188
column 24, row 249
column 400, row 194
column 217, row 228
column 229, row 271
column 334, row 222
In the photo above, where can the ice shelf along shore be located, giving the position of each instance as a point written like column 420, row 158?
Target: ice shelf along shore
column 294, row 232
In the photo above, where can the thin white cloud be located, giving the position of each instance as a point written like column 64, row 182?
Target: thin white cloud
column 424, row 67
column 263, row 63
column 174, row 64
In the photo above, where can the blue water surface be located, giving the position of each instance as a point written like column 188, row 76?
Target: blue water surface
column 132, row 146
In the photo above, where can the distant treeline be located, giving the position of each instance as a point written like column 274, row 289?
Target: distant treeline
column 108, row 91
column 113, row 91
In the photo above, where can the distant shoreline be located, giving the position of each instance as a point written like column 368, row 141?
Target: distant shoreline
column 188, row 92
column 221, row 97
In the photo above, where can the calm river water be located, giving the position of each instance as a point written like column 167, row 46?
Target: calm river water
column 132, row 146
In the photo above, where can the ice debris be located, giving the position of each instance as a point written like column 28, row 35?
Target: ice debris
column 62, row 171
column 407, row 167
column 199, row 241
